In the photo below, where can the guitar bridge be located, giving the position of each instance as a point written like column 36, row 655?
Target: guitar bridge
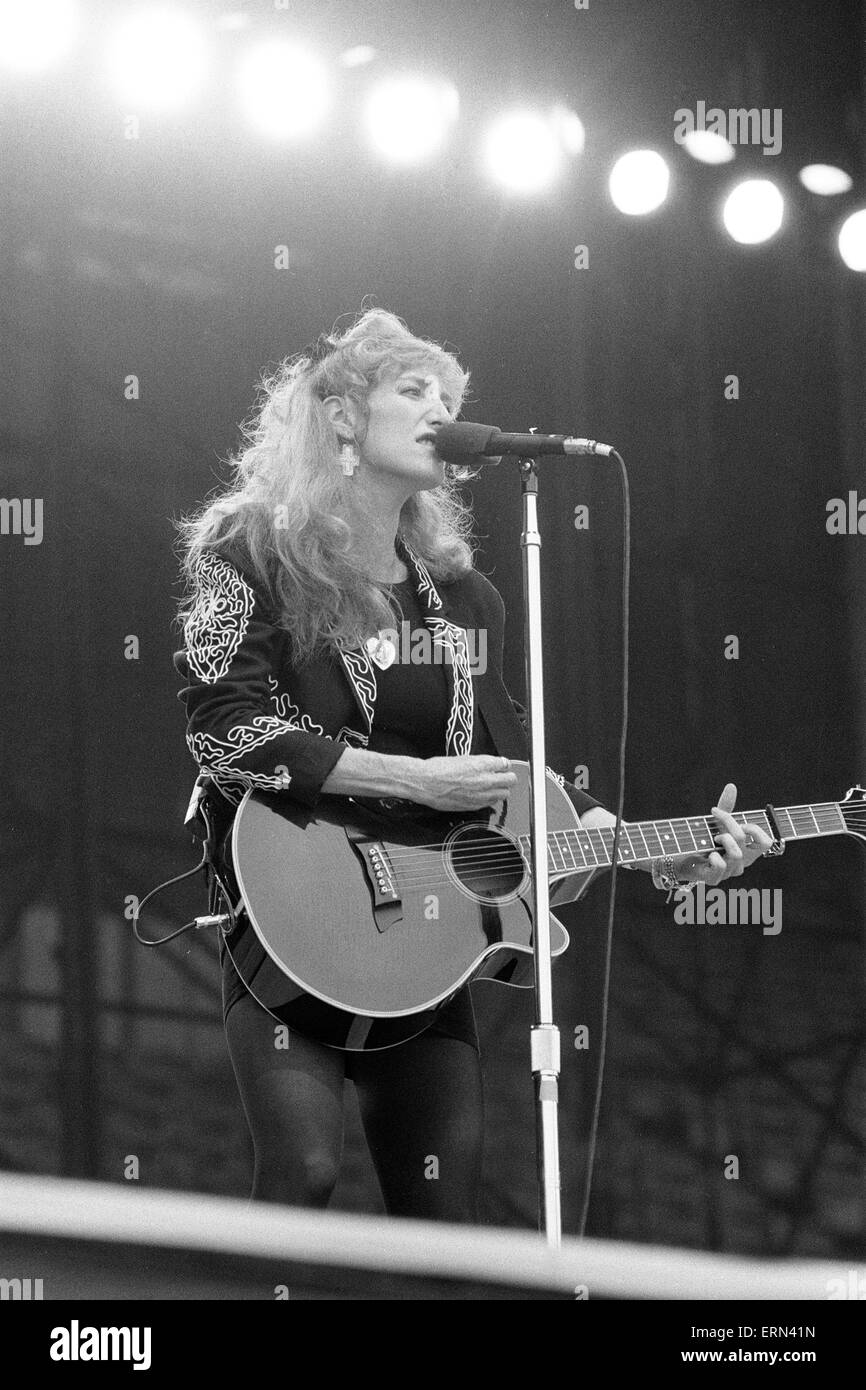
column 380, row 877
column 379, row 872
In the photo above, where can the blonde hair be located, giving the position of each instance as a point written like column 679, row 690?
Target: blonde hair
column 293, row 515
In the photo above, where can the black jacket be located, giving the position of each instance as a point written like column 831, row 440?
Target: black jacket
column 257, row 718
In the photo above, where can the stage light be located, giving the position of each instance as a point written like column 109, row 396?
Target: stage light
column 157, row 59
column 852, row 241
column 639, row 182
column 708, row 147
column 753, row 211
column 284, row 90
column 36, row 34
column 522, row 152
column 407, row 118
column 825, row 179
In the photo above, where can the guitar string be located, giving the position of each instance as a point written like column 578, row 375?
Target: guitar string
column 419, row 880
column 491, row 858
column 485, row 863
column 405, row 857
column 706, row 824
column 711, row 829
column 494, row 861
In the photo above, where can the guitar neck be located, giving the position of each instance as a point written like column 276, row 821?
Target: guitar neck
column 570, row 851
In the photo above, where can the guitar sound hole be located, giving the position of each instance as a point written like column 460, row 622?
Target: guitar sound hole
column 486, row 863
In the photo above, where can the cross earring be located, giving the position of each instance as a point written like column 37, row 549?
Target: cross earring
column 349, row 457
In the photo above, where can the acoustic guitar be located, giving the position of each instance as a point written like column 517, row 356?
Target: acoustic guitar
column 373, row 913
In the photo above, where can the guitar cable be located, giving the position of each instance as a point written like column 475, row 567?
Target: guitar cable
column 197, row 817
column 608, row 948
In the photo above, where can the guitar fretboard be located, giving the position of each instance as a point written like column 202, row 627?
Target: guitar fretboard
column 569, row 851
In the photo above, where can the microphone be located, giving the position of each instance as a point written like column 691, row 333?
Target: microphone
column 465, row 442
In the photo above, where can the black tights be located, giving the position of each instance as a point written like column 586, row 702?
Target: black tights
column 421, row 1104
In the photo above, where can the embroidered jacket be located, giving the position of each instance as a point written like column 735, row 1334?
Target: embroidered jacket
column 257, row 718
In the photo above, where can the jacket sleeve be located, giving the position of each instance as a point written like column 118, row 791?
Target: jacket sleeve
column 232, row 650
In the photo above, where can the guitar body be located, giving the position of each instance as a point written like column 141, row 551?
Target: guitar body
column 371, row 919
column 367, row 916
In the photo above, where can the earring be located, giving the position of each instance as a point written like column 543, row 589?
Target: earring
column 349, row 457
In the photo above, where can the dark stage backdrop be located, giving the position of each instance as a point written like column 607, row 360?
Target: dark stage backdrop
column 725, row 1041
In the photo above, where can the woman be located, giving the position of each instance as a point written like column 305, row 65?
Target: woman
column 342, row 522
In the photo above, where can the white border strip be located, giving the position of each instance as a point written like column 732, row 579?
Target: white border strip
column 105, row 1211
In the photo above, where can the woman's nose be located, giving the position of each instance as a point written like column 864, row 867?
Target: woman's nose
column 438, row 406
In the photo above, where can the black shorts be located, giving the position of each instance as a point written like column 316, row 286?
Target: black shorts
column 456, row 1019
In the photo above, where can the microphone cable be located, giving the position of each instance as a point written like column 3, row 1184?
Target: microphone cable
column 605, row 996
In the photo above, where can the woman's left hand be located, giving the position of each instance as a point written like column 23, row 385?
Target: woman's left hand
column 739, row 846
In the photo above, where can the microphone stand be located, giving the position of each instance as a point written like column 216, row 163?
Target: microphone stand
column 544, row 1038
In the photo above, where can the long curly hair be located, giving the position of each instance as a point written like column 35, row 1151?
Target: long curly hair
column 294, row 517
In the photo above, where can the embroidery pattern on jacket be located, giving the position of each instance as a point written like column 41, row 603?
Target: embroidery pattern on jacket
column 217, row 756
column 459, row 731
column 359, row 669
column 282, row 703
column 426, row 587
column 219, row 619
column 351, row 736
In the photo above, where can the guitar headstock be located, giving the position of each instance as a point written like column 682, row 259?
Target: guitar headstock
column 853, row 810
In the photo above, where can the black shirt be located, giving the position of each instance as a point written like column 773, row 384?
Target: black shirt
column 412, row 699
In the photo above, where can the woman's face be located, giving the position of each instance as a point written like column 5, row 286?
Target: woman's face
column 404, row 411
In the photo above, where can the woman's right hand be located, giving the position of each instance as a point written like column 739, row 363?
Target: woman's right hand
column 463, row 784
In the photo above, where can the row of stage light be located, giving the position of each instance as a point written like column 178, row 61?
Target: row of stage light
column 156, row 60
